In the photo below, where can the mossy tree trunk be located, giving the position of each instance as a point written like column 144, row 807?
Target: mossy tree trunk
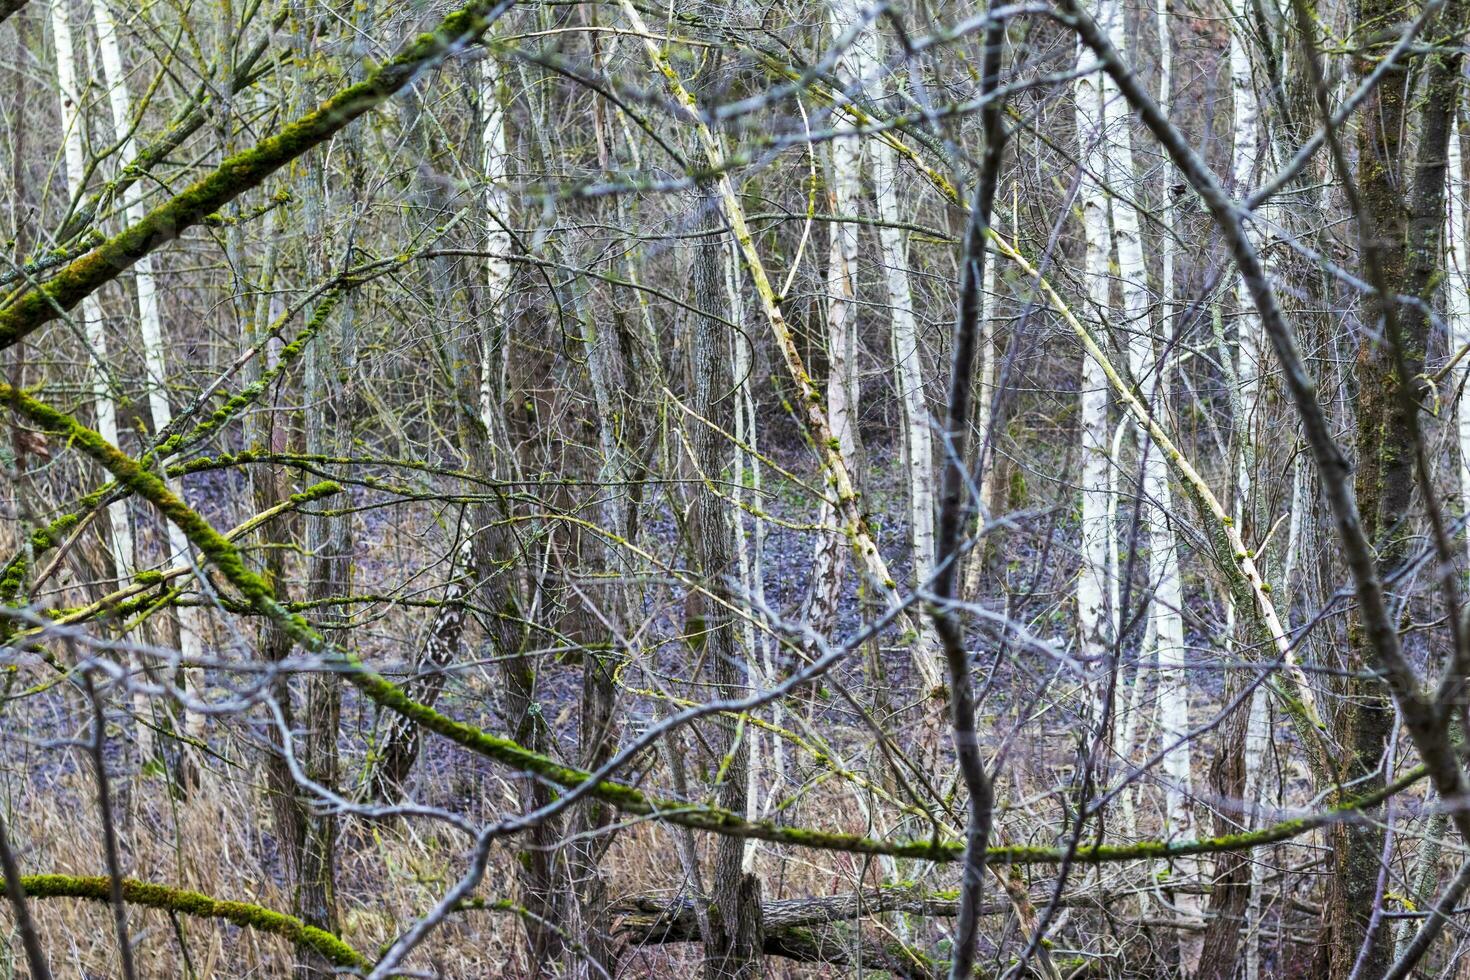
column 1401, row 225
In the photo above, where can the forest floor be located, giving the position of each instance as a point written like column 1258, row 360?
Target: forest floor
column 216, row 840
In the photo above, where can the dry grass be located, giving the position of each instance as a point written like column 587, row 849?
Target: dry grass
column 218, row 841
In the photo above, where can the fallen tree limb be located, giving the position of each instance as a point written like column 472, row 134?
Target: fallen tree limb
column 645, row 919
column 787, row 928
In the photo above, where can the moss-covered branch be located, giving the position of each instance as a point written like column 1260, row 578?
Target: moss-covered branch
column 226, row 559
column 237, row 404
column 241, row 172
column 145, row 581
column 179, row 900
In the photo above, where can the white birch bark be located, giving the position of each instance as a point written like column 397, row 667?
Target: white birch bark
column 150, row 324
column 1166, row 609
column 908, row 360
column 1092, row 582
column 748, row 551
column 861, row 62
column 984, row 450
column 844, row 200
column 1104, row 123
column 856, row 68
column 1244, row 165
column 120, row 543
column 494, row 155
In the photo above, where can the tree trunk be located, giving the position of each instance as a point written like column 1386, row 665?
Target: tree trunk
column 908, row 362
column 486, row 442
column 1096, row 530
column 94, row 329
column 734, row 947
column 396, row 750
column 1401, row 222
column 1230, row 883
column 844, row 200
column 150, row 323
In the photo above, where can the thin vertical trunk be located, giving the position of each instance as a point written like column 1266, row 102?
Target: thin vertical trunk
column 265, row 432
column 734, row 947
column 982, row 452
column 486, row 444
column 857, row 67
column 1104, row 123
column 750, row 546
column 844, row 201
column 330, row 377
column 73, row 126
column 150, row 323
column 331, row 385
column 1096, row 530
column 615, row 387
column 1219, row 956
column 909, row 361
column 1167, row 600
column 1236, row 773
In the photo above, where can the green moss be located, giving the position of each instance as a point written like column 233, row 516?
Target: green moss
column 257, row 592
column 250, row 393
column 238, row 174
column 1016, row 492
column 99, row 889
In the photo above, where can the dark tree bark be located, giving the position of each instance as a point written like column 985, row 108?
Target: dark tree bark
column 398, row 738
column 734, row 948
column 1231, row 888
column 797, row 929
column 1401, row 217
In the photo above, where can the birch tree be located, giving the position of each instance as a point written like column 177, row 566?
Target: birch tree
column 150, row 322
column 74, row 131
column 483, row 343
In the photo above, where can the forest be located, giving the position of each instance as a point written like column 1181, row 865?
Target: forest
column 773, row 488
